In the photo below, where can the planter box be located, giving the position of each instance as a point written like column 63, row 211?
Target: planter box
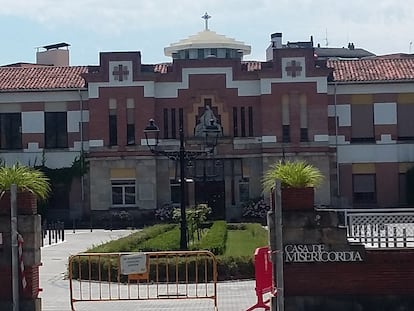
column 298, row 198
column 26, row 203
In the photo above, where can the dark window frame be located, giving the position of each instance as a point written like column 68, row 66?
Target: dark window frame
column 11, row 130
column 56, row 130
column 125, row 186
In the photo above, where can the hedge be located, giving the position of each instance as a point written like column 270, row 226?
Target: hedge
column 215, row 239
column 131, row 242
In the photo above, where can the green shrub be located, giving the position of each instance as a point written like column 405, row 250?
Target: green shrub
column 166, row 241
column 215, row 239
column 131, row 242
column 235, row 268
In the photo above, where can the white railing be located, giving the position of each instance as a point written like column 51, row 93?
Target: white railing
column 379, row 228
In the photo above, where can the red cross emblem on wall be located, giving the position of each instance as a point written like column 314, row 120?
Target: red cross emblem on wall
column 293, row 69
column 120, row 73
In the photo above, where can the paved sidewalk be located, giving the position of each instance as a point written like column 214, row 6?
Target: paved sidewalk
column 55, row 295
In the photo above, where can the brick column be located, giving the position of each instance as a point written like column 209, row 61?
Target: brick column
column 29, row 226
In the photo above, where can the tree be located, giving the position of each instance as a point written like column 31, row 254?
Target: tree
column 26, row 179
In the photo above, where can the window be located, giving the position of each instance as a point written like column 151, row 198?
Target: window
column 235, row 125
column 173, row 124
column 364, row 188
column 130, row 111
column 243, row 121
column 405, row 122
column 130, row 126
column 175, row 191
column 244, row 190
column 113, row 141
column 285, row 119
column 10, row 131
column 362, row 120
column 200, row 53
column 402, row 187
column 303, row 118
column 304, row 134
column 250, row 114
column 286, row 133
column 123, row 192
column 56, row 133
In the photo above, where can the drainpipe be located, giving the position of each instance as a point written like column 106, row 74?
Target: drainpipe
column 82, row 149
column 336, row 143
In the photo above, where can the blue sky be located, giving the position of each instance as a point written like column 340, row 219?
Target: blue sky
column 93, row 26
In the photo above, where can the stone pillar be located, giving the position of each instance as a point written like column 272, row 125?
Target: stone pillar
column 29, row 226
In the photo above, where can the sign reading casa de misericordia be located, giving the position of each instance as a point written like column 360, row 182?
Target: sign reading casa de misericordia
column 318, row 253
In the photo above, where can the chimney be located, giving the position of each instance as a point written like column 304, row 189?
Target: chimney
column 276, row 39
column 54, row 54
column 275, row 43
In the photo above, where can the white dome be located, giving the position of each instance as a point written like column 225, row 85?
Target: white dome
column 207, row 39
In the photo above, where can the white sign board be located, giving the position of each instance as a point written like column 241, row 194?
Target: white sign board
column 134, row 263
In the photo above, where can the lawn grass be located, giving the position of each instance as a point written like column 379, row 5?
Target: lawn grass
column 244, row 242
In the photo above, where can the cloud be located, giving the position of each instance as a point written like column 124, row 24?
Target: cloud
column 379, row 25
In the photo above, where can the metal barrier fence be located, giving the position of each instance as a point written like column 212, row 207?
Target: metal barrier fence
column 53, row 233
column 379, row 228
column 108, row 277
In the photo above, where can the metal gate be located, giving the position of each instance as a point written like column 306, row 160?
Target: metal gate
column 160, row 275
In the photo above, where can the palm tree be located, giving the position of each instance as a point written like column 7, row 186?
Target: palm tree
column 26, row 179
column 292, row 174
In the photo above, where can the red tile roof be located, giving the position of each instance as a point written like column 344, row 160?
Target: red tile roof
column 41, row 78
column 378, row 69
column 381, row 69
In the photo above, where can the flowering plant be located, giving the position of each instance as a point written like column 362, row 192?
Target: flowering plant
column 255, row 208
column 165, row 212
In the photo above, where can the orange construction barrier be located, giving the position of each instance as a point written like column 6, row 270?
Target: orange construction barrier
column 263, row 274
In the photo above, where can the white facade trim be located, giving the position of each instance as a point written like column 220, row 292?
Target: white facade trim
column 96, row 143
column 385, row 113
column 343, row 112
column 386, row 139
column 376, row 153
column 113, row 65
column 370, row 88
column 40, row 96
column 33, row 122
column 170, row 89
column 321, row 138
column 301, row 62
column 74, row 120
column 340, row 140
column 269, row 139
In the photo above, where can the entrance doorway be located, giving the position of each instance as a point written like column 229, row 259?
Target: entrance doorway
column 212, row 193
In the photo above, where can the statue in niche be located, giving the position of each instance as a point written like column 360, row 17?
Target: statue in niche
column 205, row 120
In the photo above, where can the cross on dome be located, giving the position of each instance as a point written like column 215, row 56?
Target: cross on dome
column 206, row 17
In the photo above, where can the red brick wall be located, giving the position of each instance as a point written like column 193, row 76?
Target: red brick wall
column 387, row 182
column 384, row 272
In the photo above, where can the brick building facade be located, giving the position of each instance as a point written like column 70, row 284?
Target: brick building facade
column 349, row 117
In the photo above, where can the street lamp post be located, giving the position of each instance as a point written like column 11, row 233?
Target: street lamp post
column 211, row 132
